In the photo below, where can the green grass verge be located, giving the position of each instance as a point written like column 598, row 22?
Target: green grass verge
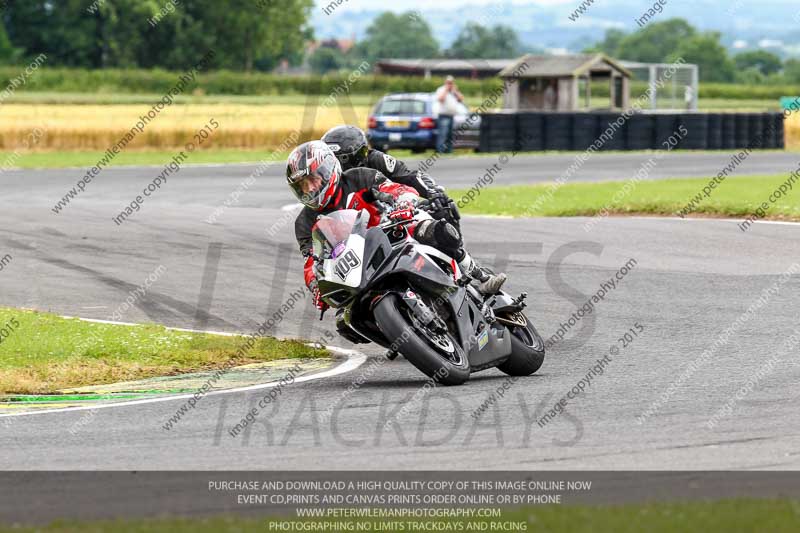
column 63, row 159
column 72, row 98
column 726, row 516
column 729, row 104
column 734, row 197
column 42, row 352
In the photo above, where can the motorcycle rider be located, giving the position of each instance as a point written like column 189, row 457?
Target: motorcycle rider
column 315, row 176
column 352, row 149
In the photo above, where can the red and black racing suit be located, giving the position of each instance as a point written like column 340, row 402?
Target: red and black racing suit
column 398, row 172
column 355, row 192
column 424, row 184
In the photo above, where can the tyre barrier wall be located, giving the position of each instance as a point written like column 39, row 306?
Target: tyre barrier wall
column 715, row 125
column 729, row 131
column 536, row 131
column 530, row 131
column 500, row 133
column 664, row 126
column 558, row 131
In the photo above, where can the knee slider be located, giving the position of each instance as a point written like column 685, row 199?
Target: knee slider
column 446, row 234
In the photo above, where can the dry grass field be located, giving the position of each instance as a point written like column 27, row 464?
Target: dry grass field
column 96, row 127
column 792, row 127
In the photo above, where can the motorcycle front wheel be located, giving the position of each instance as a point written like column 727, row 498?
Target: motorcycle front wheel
column 438, row 356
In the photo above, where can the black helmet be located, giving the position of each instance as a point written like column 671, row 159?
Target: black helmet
column 349, row 144
column 313, row 174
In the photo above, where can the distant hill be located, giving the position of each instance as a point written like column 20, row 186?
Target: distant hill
column 775, row 24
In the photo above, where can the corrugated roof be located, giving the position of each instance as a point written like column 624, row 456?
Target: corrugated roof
column 536, row 66
column 448, row 64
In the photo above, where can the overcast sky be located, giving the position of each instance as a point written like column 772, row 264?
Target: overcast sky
column 405, row 5
column 546, row 23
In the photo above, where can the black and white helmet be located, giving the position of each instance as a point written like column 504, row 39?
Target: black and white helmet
column 349, row 145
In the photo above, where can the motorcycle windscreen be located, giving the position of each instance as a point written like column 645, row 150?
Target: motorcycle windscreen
column 330, row 232
column 339, row 242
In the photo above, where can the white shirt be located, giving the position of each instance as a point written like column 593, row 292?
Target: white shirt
column 450, row 104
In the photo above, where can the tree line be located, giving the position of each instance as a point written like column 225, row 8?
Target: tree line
column 245, row 34
column 665, row 42
column 410, row 36
column 170, row 34
column 658, row 42
column 249, row 35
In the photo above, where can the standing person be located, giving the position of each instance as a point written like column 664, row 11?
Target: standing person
column 448, row 97
column 551, row 97
column 688, row 97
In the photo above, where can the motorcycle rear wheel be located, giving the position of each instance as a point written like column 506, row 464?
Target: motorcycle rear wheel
column 439, row 357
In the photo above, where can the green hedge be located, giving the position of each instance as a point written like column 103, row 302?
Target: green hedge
column 224, row 82
column 741, row 92
column 227, row 82
column 727, row 91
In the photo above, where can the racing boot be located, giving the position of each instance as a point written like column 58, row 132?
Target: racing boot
column 444, row 236
column 488, row 282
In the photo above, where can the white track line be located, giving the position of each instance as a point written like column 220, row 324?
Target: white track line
column 737, row 220
column 707, row 219
column 353, row 361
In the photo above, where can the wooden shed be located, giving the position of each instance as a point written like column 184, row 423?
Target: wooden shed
column 562, row 82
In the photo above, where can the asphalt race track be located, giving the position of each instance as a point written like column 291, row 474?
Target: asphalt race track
column 463, row 172
column 691, row 280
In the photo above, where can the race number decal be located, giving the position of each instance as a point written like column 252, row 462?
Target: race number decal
column 347, row 263
column 390, row 162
